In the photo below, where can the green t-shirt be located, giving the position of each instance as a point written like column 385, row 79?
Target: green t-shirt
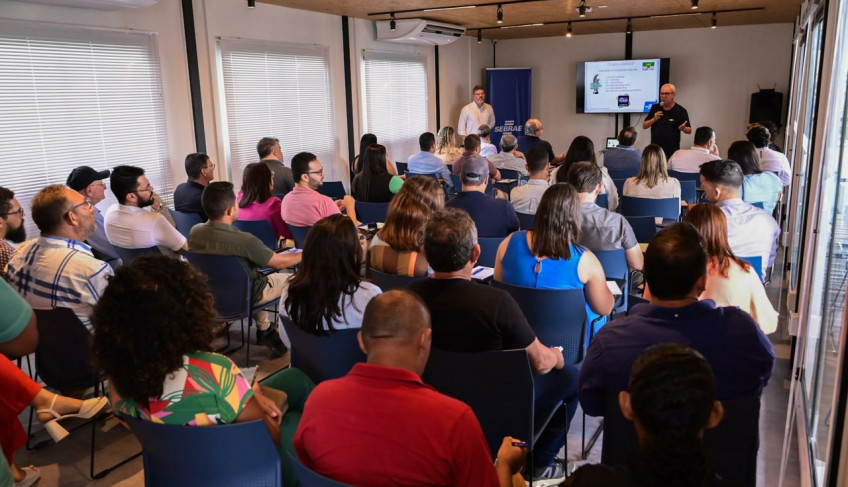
column 222, row 239
column 16, row 313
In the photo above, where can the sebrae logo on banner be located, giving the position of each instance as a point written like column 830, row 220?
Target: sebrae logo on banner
column 509, row 126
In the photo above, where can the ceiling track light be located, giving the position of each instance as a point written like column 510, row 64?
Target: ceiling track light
column 568, row 31
column 715, row 21
column 251, row 3
column 629, row 26
column 694, row 4
column 500, row 14
column 581, row 10
column 479, row 36
column 392, row 23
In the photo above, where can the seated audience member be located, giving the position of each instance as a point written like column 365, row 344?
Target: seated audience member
column 676, row 272
column 532, row 137
column 472, row 149
column 304, row 205
column 201, row 171
column 583, row 149
column 12, row 229
column 256, row 202
column 327, row 293
column 89, row 183
column 508, row 157
column 493, row 217
column 487, row 148
column 180, row 381
column 398, row 248
column 469, row 317
column 526, row 198
column 770, row 160
column 730, row 280
column 601, row 229
column 373, row 183
column 653, row 180
column 18, row 337
column 773, row 129
column 548, row 256
column 271, row 154
column 750, row 230
column 218, row 237
column 671, row 401
column 366, row 141
column 446, row 148
column 426, row 162
column 57, row 269
column 757, row 185
column 623, row 157
column 129, row 224
column 703, row 150
column 425, row 438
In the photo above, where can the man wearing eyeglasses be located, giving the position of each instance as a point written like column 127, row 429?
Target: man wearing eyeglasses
column 304, row 205
column 12, row 230
column 58, row 269
column 200, row 171
column 89, row 183
column 667, row 120
column 130, row 224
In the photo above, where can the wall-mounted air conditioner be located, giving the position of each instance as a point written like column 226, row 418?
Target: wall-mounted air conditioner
column 99, row 4
column 419, row 31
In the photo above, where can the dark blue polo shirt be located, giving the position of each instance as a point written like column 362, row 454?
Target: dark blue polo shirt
column 493, row 217
column 527, row 142
column 187, row 198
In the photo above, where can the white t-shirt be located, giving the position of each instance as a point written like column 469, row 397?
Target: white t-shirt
column 690, row 160
column 131, row 227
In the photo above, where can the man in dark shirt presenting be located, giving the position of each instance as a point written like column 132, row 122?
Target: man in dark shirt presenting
column 468, row 317
column 666, row 120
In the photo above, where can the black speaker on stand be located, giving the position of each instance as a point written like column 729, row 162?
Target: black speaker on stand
column 766, row 105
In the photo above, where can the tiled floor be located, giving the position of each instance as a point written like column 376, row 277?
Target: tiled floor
column 67, row 463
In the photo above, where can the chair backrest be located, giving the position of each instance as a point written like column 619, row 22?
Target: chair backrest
column 488, row 250
column 480, row 380
column 758, row 204
column 185, row 221
column 333, row 189
column 688, row 193
column 557, row 316
column 510, row 174
column 129, row 255
column 371, row 212
column 387, row 281
column 734, row 442
column 619, row 185
column 260, row 229
column 644, row 227
column 325, row 357
column 686, row 176
column 615, row 267
column 401, row 167
column 177, row 455
column 603, row 201
column 525, row 220
column 622, row 173
column 756, row 262
column 668, row 208
column 428, row 175
column 228, row 282
column 62, row 357
column 311, row 478
column 299, row 234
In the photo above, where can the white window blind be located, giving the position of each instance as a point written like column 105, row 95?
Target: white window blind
column 395, row 100
column 72, row 97
column 276, row 90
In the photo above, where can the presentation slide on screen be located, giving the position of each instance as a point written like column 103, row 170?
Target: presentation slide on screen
column 621, row 86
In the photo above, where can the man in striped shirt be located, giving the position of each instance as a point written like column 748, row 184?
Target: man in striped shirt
column 58, row 270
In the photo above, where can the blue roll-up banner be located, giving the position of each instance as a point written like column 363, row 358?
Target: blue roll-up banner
column 509, row 95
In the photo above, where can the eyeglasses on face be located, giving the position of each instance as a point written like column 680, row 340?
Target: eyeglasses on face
column 666, row 93
column 148, row 188
column 19, row 212
column 320, row 171
column 87, row 204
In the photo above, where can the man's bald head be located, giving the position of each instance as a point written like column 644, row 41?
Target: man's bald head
column 397, row 317
column 533, row 126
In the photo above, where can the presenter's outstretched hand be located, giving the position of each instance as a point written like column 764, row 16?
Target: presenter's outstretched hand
column 682, row 126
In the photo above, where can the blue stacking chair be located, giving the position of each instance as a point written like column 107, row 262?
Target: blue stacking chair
column 426, row 175
column 603, row 201
column 488, row 250
column 387, row 281
column 668, row 208
column 185, row 221
column 622, row 173
column 619, row 186
column 615, row 267
column 401, row 167
column 333, row 189
column 688, row 193
column 261, row 229
column 643, row 227
column 756, row 262
column 525, row 220
column 129, row 255
column 177, row 455
column 758, row 204
column 371, row 212
column 232, row 288
column 323, row 357
column 299, row 234
column 311, row 478
column 686, row 176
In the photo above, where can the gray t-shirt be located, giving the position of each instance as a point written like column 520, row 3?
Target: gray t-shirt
column 602, row 229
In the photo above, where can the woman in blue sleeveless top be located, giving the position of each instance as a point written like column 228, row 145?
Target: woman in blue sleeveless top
column 547, row 257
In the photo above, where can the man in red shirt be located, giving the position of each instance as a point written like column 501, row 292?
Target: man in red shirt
column 381, row 426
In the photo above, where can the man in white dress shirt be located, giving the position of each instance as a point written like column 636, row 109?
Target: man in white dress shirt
column 751, row 231
column 770, row 160
column 475, row 114
column 487, row 148
column 704, row 150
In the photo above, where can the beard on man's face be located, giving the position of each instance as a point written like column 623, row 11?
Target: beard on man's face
column 17, row 235
column 145, row 203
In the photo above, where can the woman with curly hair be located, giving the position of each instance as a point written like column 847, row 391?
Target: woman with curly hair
column 153, row 328
column 255, row 200
column 446, row 148
column 398, row 246
column 327, row 292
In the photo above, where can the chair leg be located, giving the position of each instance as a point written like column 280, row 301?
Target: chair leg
column 107, row 470
column 597, row 434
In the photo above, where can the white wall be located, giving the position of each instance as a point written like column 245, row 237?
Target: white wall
column 461, row 66
column 715, row 72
